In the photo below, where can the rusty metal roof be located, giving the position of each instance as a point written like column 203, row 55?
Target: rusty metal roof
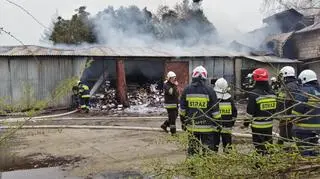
column 103, row 51
column 315, row 26
column 31, row 50
column 272, row 59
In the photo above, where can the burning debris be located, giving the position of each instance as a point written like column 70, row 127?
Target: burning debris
column 148, row 97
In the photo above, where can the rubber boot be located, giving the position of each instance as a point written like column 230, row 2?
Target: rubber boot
column 164, row 126
column 173, row 131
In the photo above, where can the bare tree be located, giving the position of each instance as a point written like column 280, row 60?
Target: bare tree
column 273, row 6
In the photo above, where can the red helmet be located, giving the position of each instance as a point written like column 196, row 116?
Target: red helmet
column 260, row 74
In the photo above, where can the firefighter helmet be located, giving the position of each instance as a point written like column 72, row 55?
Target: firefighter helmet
column 307, row 76
column 171, row 74
column 221, row 87
column 260, row 74
column 273, row 79
column 287, row 71
column 200, row 71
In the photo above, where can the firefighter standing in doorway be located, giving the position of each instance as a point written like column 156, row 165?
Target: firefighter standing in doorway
column 307, row 129
column 171, row 99
column 262, row 104
column 84, row 95
column 199, row 108
column 288, row 89
column 228, row 113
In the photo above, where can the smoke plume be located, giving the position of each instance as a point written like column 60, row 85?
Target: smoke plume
column 185, row 25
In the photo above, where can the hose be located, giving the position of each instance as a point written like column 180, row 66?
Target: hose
column 236, row 134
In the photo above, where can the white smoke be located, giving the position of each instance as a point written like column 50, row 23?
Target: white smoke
column 129, row 26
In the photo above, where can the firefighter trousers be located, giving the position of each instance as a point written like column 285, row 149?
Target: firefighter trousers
column 226, row 141
column 260, row 137
column 171, row 121
column 306, row 142
column 200, row 143
column 84, row 103
column 285, row 131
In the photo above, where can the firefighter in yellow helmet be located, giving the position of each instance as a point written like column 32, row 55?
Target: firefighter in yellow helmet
column 84, row 94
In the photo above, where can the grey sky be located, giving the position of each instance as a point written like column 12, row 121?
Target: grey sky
column 230, row 16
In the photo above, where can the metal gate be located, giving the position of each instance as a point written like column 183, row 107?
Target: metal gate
column 182, row 71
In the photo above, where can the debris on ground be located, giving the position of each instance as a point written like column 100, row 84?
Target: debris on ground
column 39, row 160
column 141, row 99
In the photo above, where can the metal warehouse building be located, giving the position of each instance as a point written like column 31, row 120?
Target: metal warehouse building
column 44, row 68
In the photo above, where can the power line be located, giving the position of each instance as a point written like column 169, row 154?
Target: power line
column 26, row 11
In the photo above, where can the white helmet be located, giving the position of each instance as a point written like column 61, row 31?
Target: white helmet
column 249, row 75
column 273, row 79
column 200, row 71
column 221, row 87
column 287, row 71
column 307, row 76
column 171, row 74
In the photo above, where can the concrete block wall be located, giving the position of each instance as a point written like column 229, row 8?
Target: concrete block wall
column 308, row 44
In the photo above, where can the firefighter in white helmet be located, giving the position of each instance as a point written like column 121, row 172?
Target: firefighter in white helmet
column 289, row 87
column 171, row 100
column 199, row 107
column 307, row 129
column 228, row 113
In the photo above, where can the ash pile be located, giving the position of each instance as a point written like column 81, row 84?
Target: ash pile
column 145, row 99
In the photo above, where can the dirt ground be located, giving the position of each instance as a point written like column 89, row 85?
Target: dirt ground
column 97, row 150
column 89, row 152
column 86, row 153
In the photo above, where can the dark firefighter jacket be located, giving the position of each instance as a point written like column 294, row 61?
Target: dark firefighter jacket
column 199, row 106
column 84, row 91
column 228, row 111
column 287, row 94
column 171, row 95
column 311, row 106
column 262, row 103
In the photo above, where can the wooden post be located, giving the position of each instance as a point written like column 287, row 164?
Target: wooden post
column 121, row 83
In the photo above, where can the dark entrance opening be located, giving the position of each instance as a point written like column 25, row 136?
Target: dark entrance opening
column 142, row 73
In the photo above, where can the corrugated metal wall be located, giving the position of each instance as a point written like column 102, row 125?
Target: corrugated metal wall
column 43, row 75
column 216, row 66
column 272, row 67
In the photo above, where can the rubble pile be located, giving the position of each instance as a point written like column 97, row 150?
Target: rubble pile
column 142, row 96
column 148, row 97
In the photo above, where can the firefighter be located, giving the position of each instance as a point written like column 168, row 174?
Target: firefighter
column 84, row 95
column 275, row 84
column 307, row 129
column 199, row 107
column 228, row 113
column 249, row 82
column 262, row 104
column 171, row 99
column 286, row 94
